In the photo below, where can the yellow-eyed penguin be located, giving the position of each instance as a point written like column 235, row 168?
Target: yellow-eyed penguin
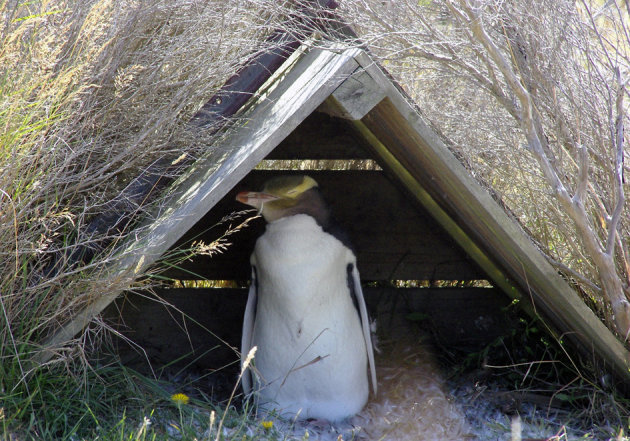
column 305, row 312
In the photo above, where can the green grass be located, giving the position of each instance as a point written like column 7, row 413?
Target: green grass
column 111, row 402
column 76, row 80
column 106, row 403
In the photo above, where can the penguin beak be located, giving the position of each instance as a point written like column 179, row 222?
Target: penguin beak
column 255, row 199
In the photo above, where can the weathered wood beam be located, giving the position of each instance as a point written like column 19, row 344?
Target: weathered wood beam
column 355, row 97
column 203, row 325
column 341, row 140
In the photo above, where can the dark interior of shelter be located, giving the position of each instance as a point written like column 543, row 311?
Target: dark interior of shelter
column 415, row 277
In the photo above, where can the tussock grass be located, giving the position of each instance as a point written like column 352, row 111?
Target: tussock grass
column 114, row 403
column 91, row 93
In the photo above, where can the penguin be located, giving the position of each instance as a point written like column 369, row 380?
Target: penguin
column 305, row 310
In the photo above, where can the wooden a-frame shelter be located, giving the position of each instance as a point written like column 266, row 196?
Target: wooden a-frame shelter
column 347, row 84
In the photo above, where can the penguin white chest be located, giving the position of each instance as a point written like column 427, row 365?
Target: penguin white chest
column 312, row 356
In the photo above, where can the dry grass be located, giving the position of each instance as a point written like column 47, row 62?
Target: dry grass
column 566, row 55
column 91, row 93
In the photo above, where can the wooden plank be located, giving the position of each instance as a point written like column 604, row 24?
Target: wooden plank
column 392, row 238
column 284, row 106
column 241, row 86
column 465, row 319
column 320, row 136
column 204, row 325
column 413, row 149
column 355, row 97
column 233, row 264
column 496, row 274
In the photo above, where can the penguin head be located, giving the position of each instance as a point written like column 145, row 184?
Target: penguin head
column 287, row 196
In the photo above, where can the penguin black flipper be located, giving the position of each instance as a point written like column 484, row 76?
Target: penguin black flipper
column 248, row 330
column 353, row 281
column 354, row 285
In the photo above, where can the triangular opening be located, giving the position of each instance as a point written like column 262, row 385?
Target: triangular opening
column 413, row 272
